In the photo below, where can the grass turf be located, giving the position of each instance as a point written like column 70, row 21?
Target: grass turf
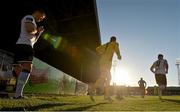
column 83, row 103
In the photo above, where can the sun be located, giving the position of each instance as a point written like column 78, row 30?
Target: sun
column 120, row 76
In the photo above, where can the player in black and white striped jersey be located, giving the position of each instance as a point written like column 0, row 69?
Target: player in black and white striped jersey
column 160, row 69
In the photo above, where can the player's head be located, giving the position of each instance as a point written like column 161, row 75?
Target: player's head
column 113, row 39
column 160, row 56
column 141, row 78
column 39, row 15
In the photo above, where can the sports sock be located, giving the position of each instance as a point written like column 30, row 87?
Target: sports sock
column 22, row 80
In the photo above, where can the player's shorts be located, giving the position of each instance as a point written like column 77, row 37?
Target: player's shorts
column 141, row 87
column 23, row 53
column 161, row 79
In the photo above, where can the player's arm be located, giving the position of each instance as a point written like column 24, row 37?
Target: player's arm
column 167, row 66
column 40, row 30
column 117, row 51
column 31, row 28
column 145, row 84
column 152, row 68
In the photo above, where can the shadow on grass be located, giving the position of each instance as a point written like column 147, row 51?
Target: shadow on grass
column 34, row 108
column 171, row 100
column 83, row 108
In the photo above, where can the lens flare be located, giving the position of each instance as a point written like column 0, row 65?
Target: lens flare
column 55, row 41
column 61, row 44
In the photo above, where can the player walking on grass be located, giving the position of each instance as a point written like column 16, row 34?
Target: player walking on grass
column 24, row 51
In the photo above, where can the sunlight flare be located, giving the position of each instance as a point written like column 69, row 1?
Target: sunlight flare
column 120, row 76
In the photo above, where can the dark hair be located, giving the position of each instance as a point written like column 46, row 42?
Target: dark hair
column 113, row 38
column 40, row 10
column 160, row 56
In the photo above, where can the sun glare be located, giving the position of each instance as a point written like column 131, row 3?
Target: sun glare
column 120, row 76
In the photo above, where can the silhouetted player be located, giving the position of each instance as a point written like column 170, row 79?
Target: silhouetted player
column 142, row 86
column 160, row 69
column 106, row 51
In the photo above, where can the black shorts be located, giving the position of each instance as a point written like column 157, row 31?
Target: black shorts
column 23, row 53
column 161, row 79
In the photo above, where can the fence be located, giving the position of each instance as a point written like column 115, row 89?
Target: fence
column 45, row 79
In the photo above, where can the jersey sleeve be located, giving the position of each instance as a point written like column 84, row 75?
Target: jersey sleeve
column 165, row 61
column 154, row 64
column 166, row 64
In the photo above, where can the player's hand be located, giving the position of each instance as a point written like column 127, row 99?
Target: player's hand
column 40, row 29
column 119, row 57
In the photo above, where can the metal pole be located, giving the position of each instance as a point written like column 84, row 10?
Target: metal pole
column 178, row 73
column 178, row 69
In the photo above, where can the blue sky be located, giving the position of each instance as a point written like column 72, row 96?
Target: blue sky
column 144, row 28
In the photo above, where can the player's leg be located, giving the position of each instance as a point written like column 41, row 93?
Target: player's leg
column 158, row 81
column 16, row 69
column 97, row 83
column 163, row 83
column 107, row 86
column 100, row 80
column 23, row 78
column 143, row 92
column 160, row 91
column 24, row 57
column 94, row 87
